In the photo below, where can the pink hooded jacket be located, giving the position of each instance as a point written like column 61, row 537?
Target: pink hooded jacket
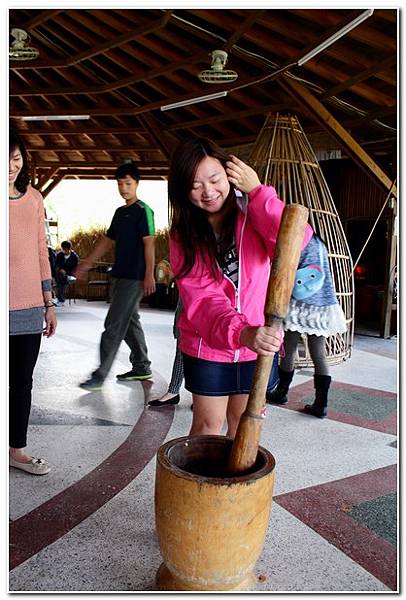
column 214, row 311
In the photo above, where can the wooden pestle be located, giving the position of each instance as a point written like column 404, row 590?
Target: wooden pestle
column 287, row 253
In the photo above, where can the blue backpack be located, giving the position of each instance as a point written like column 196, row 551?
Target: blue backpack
column 309, row 279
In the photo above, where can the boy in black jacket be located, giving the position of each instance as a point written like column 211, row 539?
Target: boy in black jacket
column 66, row 262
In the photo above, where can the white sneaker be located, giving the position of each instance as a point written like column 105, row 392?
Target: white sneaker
column 60, row 303
column 71, row 278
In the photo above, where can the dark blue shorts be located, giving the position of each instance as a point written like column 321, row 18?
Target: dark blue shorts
column 208, row 378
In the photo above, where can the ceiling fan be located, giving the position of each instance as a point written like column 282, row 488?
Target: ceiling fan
column 19, row 50
column 217, row 73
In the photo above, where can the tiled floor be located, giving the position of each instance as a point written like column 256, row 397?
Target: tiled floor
column 89, row 524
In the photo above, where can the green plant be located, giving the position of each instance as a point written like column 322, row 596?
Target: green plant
column 162, row 245
column 84, row 241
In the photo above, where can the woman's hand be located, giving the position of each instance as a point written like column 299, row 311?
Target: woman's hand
column 241, row 175
column 50, row 321
column 262, row 340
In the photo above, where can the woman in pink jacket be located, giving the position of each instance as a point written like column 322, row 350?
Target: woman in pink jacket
column 223, row 235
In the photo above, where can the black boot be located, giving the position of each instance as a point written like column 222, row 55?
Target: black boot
column 319, row 406
column 279, row 395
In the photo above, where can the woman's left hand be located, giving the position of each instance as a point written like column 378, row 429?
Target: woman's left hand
column 50, row 322
column 241, row 175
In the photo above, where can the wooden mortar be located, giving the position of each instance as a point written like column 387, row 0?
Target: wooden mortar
column 211, row 527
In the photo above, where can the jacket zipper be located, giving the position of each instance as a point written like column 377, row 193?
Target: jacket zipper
column 237, row 289
column 238, row 301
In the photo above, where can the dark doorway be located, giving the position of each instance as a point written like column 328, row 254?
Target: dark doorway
column 369, row 274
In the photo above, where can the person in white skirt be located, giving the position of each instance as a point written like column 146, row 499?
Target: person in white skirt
column 315, row 311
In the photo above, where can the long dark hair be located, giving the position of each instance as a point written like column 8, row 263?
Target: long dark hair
column 23, row 179
column 190, row 224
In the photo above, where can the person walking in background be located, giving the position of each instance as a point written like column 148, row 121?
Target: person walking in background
column 66, row 262
column 132, row 231
column 314, row 310
column 172, row 395
column 221, row 243
column 52, row 261
column 30, row 301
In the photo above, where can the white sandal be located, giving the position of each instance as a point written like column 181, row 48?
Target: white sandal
column 36, row 466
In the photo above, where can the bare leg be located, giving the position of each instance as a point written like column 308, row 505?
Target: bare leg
column 209, row 413
column 236, row 406
column 20, row 455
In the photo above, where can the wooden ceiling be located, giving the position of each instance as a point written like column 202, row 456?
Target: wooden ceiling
column 120, row 66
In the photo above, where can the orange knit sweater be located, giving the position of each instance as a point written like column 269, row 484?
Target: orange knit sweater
column 29, row 263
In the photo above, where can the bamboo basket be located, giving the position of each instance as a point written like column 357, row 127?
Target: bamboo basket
column 283, row 157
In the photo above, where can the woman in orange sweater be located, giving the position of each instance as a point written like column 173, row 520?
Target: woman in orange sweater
column 30, row 301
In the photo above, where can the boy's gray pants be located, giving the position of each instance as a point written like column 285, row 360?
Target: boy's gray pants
column 123, row 323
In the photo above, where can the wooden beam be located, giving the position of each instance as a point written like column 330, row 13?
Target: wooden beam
column 99, row 148
column 387, row 300
column 151, row 175
column 244, row 27
column 39, row 19
column 91, row 131
column 85, row 165
column 372, row 70
column 238, row 141
column 232, row 116
column 91, row 52
column 46, row 177
column 52, row 185
column 377, row 113
column 322, row 69
column 111, row 110
column 341, row 135
column 109, row 87
column 165, row 143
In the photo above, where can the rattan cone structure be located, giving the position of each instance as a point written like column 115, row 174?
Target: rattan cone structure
column 283, row 157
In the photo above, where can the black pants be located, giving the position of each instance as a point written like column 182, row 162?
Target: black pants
column 24, row 350
column 61, row 285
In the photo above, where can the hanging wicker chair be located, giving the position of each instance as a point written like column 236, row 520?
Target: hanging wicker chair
column 282, row 157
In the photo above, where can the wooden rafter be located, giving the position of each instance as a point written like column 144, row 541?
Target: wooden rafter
column 95, row 148
column 111, row 110
column 120, row 83
column 348, row 83
column 52, row 185
column 341, row 135
column 166, row 143
column 86, row 165
column 231, row 116
column 244, row 27
column 44, row 177
column 108, row 45
column 41, row 18
column 110, row 87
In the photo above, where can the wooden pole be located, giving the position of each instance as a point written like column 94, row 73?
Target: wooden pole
column 387, row 303
column 287, row 253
